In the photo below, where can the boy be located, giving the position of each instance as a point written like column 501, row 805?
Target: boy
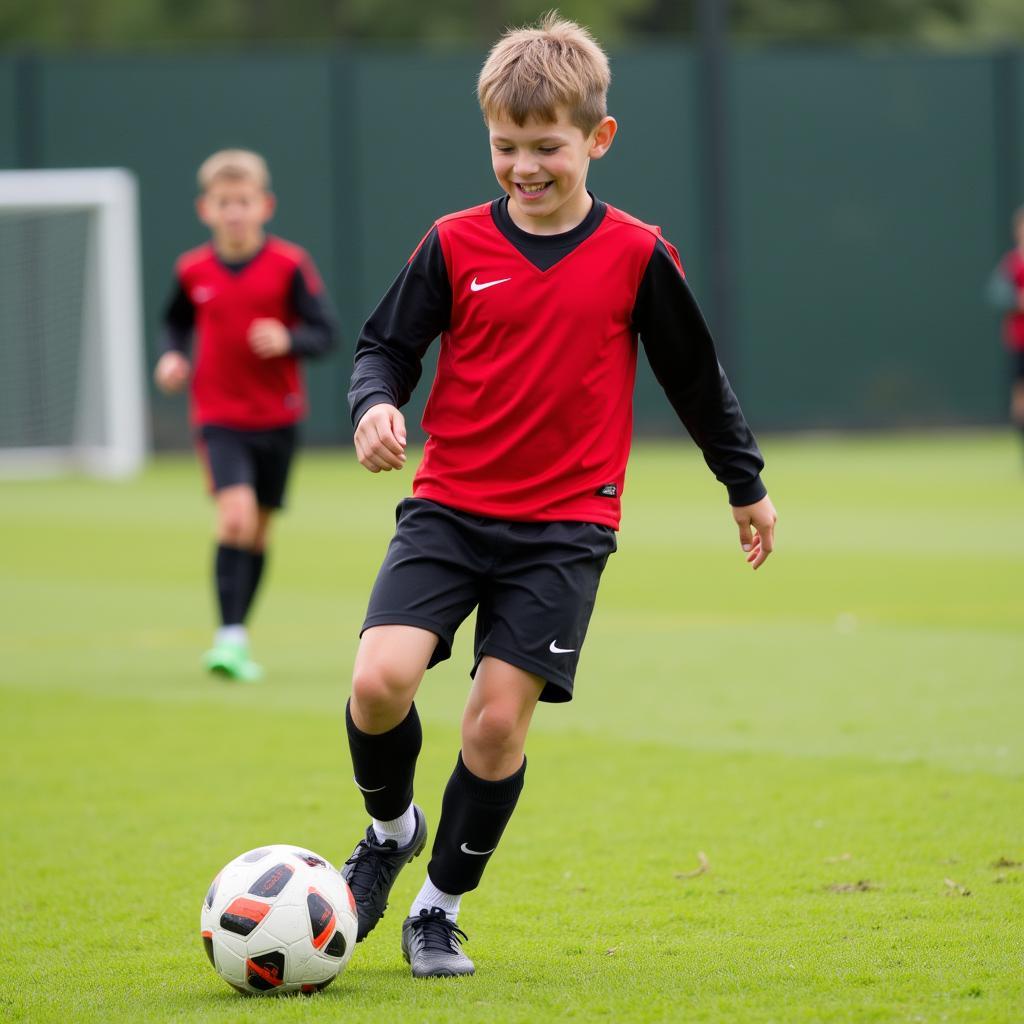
column 1006, row 293
column 539, row 298
column 256, row 306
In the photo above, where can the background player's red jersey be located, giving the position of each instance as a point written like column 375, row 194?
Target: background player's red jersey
column 1013, row 325
column 231, row 385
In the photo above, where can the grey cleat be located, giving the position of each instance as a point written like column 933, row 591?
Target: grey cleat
column 372, row 869
column 430, row 944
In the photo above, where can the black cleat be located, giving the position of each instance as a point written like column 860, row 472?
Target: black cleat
column 372, row 869
column 430, row 944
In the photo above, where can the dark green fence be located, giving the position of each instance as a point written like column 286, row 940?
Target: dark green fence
column 869, row 198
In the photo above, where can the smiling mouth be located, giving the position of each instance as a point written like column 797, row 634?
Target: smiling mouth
column 532, row 191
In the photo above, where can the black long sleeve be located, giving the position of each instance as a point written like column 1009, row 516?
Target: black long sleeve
column 682, row 355
column 316, row 333
column 413, row 312
column 179, row 322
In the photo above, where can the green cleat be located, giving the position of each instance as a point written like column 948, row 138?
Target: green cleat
column 231, row 661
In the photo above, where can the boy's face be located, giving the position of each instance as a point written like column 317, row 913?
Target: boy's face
column 542, row 165
column 235, row 210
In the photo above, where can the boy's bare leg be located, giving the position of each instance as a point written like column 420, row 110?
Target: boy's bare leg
column 1017, row 404
column 384, row 738
column 497, row 718
column 478, row 803
column 390, row 664
column 237, row 516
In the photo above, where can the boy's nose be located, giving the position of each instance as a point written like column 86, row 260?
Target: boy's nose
column 524, row 165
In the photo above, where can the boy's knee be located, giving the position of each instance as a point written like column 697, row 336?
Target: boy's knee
column 380, row 694
column 236, row 527
column 493, row 727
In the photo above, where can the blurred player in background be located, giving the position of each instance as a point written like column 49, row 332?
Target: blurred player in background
column 539, row 298
column 1006, row 293
column 254, row 305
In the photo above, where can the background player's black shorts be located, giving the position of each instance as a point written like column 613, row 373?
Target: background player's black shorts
column 259, row 458
column 534, row 586
column 1017, row 364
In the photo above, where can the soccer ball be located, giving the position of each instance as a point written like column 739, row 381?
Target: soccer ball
column 279, row 919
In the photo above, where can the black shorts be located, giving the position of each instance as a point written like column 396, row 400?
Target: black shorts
column 533, row 584
column 258, row 458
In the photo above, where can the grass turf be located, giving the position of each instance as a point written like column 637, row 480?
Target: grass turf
column 839, row 734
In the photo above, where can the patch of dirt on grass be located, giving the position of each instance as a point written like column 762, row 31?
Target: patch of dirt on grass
column 861, row 885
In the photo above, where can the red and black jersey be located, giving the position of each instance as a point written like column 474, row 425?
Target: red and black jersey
column 217, row 302
column 1013, row 326
column 530, row 414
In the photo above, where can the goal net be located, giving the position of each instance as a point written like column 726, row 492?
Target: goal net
column 72, row 392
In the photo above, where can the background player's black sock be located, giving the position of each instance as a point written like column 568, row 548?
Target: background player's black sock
column 385, row 763
column 474, row 813
column 254, row 573
column 231, row 571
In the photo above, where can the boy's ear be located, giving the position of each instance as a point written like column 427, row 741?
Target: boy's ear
column 270, row 204
column 601, row 139
column 201, row 208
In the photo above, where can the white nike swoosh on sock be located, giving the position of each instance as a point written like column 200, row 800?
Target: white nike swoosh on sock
column 476, row 853
column 365, row 790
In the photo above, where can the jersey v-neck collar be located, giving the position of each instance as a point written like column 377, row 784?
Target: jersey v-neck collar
column 235, row 267
column 544, row 251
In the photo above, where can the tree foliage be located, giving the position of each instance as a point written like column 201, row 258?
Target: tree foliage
column 172, row 23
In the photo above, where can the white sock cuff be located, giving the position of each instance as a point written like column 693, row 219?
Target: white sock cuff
column 430, row 896
column 400, row 829
column 231, row 635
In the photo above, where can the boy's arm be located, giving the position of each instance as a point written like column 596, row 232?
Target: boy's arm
column 414, row 310
column 173, row 367
column 179, row 321
column 316, row 332
column 682, row 355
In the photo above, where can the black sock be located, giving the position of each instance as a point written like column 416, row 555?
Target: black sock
column 231, row 572
column 474, row 813
column 255, row 562
column 385, row 764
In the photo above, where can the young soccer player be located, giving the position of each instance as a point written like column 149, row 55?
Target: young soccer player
column 255, row 305
column 1006, row 293
column 539, row 298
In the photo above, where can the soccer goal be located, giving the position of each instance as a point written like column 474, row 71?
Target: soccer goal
column 72, row 393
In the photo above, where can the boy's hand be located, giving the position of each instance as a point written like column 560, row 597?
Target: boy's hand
column 172, row 372
column 269, row 338
column 757, row 529
column 380, row 439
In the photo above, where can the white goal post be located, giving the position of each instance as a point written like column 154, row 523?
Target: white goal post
column 72, row 388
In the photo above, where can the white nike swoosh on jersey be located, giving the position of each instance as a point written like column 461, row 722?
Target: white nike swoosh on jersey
column 475, row 287
column 476, row 853
column 365, row 790
column 555, row 649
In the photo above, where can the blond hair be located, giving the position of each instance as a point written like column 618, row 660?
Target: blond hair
column 531, row 72
column 233, row 165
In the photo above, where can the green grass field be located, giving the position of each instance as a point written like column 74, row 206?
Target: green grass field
column 839, row 734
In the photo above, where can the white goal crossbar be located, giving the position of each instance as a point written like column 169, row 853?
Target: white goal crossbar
column 107, row 428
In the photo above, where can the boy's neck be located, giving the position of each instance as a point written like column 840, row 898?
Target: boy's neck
column 566, row 218
column 238, row 252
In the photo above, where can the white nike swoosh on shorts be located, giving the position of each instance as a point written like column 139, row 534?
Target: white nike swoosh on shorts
column 555, row 649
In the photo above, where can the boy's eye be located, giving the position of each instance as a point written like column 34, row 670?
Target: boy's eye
column 549, row 149
column 503, row 149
